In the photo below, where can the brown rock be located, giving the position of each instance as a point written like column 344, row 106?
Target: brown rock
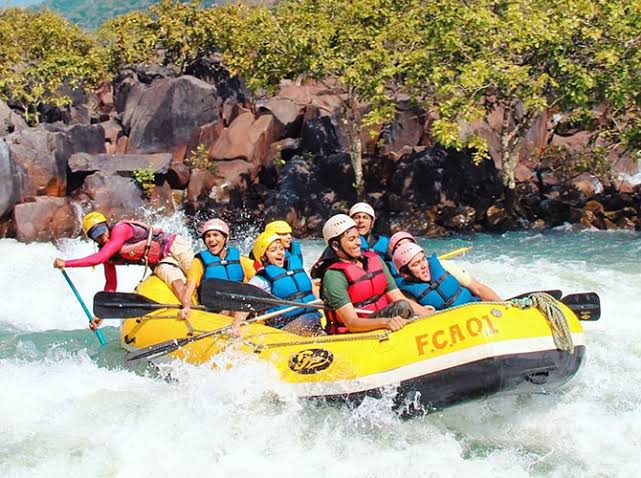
column 167, row 112
column 9, row 182
column 119, row 163
column 495, row 215
column 287, row 112
column 178, row 175
column 247, row 138
column 594, row 206
column 404, row 132
column 115, row 196
column 45, row 219
column 161, row 199
column 626, row 223
column 200, row 185
column 463, row 219
column 10, row 121
column 523, row 173
column 588, row 184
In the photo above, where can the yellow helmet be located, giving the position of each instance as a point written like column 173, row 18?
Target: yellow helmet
column 262, row 242
column 278, row 227
column 91, row 219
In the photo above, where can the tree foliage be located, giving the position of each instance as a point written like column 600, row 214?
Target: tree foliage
column 40, row 53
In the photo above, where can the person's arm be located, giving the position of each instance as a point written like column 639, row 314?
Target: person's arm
column 394, row 294
column 483, row 292
column 354, row 323
column 118, row 236
column 194, row 277
column 111, row 277
column 421, row 310
column 464, row 278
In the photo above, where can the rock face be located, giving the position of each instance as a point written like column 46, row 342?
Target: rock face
column 116, row 197
column 9, row 183
column 165, row 114
column 119, row 163
column 10, row 121
column 45, row 219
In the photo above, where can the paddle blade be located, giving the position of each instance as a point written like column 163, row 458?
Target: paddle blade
column 154, row 351
column 217, row 294
column 122, row 305
column 586, row 305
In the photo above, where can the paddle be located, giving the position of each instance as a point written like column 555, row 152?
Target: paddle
column 220, row 294
column 122, row 305
column 98, row 333
column 586, row 305
column 455, row 253
column 169, row 346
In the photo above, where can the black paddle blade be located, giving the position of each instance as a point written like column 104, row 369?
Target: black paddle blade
column 122, row 305
column 557, row 294
column 586, row 305
column 220, row 294
column 154, row 351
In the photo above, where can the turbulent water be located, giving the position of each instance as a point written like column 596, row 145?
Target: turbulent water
column 70, row 408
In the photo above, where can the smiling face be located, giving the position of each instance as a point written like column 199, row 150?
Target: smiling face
column 286, row 239
column 363, row 223
column 419, row 268
column 350, row 245
column 275, row 254
column 215, row 242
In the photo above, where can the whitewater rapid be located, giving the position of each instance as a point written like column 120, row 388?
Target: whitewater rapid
column 69, row 408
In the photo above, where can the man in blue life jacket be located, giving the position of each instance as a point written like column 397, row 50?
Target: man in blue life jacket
column 364, row 217
column 217, row 261
column 432, row 283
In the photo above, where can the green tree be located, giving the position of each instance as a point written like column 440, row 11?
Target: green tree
column 519, row 58
column 40, row 53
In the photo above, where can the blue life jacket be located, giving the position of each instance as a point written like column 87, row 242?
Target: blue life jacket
column 396, row 275
column 292, row 283
column 441, row 292
column 379, row 245
column 295, row 251
column 227, row 269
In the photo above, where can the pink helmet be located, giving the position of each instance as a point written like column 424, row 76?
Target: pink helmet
column 213, row 225
column 405, row 253
column 395, row 239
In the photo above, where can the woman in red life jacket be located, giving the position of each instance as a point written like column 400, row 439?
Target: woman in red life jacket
column 131, row 242
column 352, row 279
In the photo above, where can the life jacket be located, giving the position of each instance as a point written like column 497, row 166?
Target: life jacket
column 396, row 275
column 291, row 283
column 366, row 288
column 441, row 292
column 229, row 268
column 295, row 250
column 148, row 246
column 377, row 244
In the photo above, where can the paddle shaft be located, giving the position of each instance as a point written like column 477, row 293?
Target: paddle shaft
column 164, row 348
column 98, row 333
column 454, row 253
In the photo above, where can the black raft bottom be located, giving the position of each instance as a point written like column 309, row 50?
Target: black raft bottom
column 536, row 372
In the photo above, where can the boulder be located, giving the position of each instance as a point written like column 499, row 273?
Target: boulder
column 10, row 121
column 9, row 183
column 460, row 219
column 200, row 186
column 588, row 184
column 287, row 112
column 123, row 164
column 45, row 219
column 405, row 131
column 115, row 196
column 165, row 114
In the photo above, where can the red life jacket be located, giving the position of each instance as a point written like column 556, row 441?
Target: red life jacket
column 149, row 245
column 366, row 288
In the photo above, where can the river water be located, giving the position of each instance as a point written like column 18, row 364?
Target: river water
column 70, row 408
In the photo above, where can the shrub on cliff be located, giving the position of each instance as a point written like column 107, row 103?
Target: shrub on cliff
column 40, row 53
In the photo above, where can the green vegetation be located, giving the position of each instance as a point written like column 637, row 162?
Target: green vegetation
column 145, row 179
column 463, row 61
column 40, row 53
column 199, row 159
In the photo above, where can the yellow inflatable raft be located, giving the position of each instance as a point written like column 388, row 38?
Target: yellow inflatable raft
column 456, row 355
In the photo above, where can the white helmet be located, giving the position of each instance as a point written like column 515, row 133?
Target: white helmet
column 405, row 253
column 362, row 207
column 337, row 225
